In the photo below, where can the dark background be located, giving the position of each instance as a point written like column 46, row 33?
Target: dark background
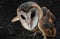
column 15, row 30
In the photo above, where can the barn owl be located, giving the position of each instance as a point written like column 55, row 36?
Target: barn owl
column 36, row 18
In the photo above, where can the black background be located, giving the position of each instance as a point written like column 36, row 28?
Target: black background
column 15, row 30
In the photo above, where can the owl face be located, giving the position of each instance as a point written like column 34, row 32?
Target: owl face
column 28, row 14
column 29, row 19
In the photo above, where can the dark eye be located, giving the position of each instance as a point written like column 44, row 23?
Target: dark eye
column 33, row 13
column 22, row 17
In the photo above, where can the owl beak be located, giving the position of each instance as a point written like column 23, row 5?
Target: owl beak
column 29, row 22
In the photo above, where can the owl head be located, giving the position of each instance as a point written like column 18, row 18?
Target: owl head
column 28, row 14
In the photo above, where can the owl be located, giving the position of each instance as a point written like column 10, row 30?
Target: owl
column 36, row 18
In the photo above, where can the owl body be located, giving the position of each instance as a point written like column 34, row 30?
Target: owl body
column 36, row 18
column 47, row 23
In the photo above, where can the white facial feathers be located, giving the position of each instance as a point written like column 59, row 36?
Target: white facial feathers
column 29, row 13
column 28, row 23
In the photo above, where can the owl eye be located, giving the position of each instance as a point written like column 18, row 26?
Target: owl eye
column 33, row 13
column 22, row 17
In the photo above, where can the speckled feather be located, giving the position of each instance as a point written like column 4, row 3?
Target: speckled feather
column 44, row 20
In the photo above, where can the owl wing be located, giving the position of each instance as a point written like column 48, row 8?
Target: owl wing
column 47, row 23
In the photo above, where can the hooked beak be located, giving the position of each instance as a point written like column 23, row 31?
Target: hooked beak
column 29, row 23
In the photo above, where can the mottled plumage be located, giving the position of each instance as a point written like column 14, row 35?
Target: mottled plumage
column 36, row 18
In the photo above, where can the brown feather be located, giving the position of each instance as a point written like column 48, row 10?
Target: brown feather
column 47, row 19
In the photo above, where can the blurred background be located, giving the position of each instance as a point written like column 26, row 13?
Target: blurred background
column 15, row 30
